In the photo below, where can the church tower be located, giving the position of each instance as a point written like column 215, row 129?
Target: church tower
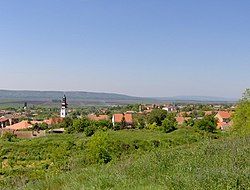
column 64, row 107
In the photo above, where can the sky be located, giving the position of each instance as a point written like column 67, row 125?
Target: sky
column 148, row 48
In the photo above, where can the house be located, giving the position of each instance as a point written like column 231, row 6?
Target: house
column 54, row 120
column 4, row 122
column 169, row 108
column 118, row 118
column 208, row 113
column 224, row 120
column 20, row 126
column 180, row 120
column 60, row 130
column 94, row 117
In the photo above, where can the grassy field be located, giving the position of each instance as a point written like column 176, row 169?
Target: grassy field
column 126, row 159
column 217, row 164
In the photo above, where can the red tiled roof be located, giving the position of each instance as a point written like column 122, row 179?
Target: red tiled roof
column 128, row 118
column 98, row 118
column 52, row 121
column 180, row 120
column 224, row 114
column 3, row 119
column 20, row 125
column 223, row 124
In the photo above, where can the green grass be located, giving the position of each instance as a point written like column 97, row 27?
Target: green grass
column 26, row 160
column 136, row 159
column 211, row 164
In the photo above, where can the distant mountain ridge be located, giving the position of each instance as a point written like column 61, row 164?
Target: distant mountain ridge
column 199, row 98
column 97, row 97
column 33, row 95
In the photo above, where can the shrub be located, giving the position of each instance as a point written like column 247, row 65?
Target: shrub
column 208, row 123
column 169, row 124
column 99, row 148
column 90, row 130
column 157, row 116
column 241, row 118
column 8, row 136
column 152, row 126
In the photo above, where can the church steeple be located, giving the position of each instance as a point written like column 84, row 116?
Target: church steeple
column 64, row 107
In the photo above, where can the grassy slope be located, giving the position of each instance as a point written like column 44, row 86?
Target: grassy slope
column 139, row 160
column 211, row 164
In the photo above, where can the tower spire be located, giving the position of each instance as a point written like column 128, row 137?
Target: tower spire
column 64, row 107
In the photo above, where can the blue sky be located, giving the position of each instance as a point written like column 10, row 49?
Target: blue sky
column 135, row 47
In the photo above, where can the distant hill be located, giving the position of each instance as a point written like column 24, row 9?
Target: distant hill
column 199, row 99
column 74, row 97
column 92, row 98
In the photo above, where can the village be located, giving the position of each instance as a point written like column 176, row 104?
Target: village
column 27, row 123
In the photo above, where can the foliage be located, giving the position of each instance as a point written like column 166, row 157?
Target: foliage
column 190, row 122
column 207, row 123
column 79, row 125
column 216, row 164
column 123, row 123
column 241, row 118
column 29, row 160
column 157, row 116
column 152, row 126
column 8, row 136
column 246, row 95
column 67, row 122
column 99, row 148
column 103, row 124
column 169, row 124
column 90, row 130
column 140, row 120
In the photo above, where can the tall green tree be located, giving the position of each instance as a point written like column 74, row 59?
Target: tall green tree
column 241, row 118
column 157, row 116
column 208, row 123
column 79, row 125
column 169, row 123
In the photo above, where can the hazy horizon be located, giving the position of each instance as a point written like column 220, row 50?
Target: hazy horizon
column 176, row 96
column 139, row 48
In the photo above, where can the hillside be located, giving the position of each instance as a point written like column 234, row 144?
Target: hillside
column 127, row 159
column 11, row 97
column 74, row 97
column 216, row 164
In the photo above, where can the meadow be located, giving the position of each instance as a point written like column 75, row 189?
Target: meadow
column 126, row 159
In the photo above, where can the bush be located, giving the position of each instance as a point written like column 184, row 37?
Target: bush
column 99, row 147
column 8, row 136
column 241, row 118
column 169, row 124
column 208, row 123
column 90, row 130
column 157, row 116
column 152, row 126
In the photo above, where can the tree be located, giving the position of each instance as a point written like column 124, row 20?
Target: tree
column 43, row 126
column 103, row 124
column 246, row 95
column 8, row 136
column 190, row 122
column 208, row 123
column 90, row 130
column 169, row 124
column 241, row 118
column 79, row 125
column 123, row 123
column 140, row 120
column 157, row 116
